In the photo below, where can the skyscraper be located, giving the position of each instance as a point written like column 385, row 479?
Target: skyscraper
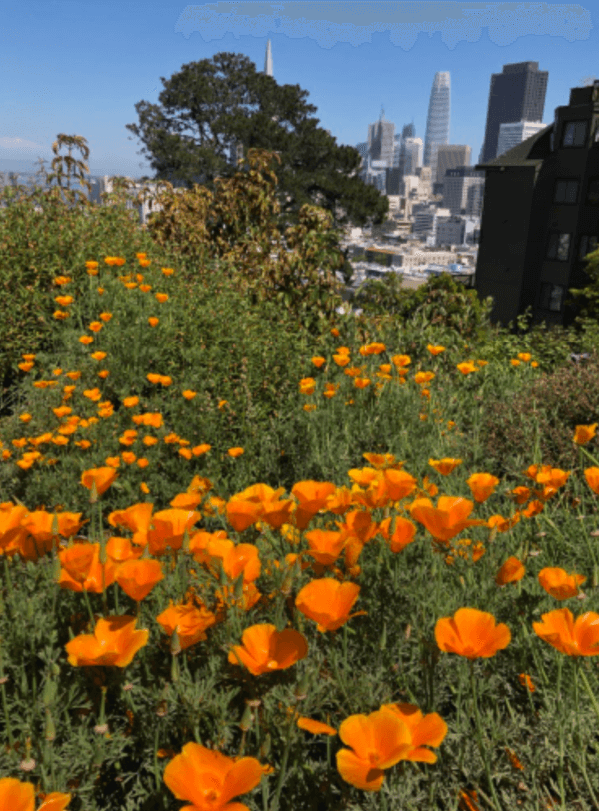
column 450, row 156
column 268, row 60
column 412, row 156
column 381, row 140
column 437, row 121
column 517, row 94
column 512, row 134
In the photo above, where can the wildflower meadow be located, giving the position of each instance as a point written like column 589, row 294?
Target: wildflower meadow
column 252, row 564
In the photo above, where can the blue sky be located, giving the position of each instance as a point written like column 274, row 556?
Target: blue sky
column 79, row 67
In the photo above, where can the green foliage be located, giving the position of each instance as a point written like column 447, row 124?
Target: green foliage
column 584, row 302
column 238, row 225
column 441, row 303
column 36, row 246
column 539, row 420
column 240, row 105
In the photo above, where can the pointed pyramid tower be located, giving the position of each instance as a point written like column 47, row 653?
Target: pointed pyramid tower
column 268, row 60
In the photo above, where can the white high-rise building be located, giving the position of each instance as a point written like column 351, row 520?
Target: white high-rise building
column 268, row 60
column 437, row 122
column 381, row 140
column 512, row 134
column 412, row 155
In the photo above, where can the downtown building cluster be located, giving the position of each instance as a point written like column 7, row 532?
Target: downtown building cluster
column 517, row 226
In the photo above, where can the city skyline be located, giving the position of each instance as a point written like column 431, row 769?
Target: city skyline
column 53, row 81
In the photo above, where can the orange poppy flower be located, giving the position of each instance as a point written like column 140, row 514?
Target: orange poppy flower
column 318, row 361
column 265, row 649
column 190, row 622
column 235, row 452
column 242, row 513
column 444, row 466
column 471, row 633
column 227, row 596
column 482, row 485
column 584, row 433
column 511, row 571
column 359, row 524
column 402, row 535
column 534, row 508
column 312, row 497
column 446, row 520
column 527, row 682
column 81, row 568
column 121, row 549
column 138, row 577
column 591, row 474
column 114, row 642
column 426, row 730
column 325, row 546
column 315, row 727
column 17, row 796
column 137, row 518
column 578, row 637
column 378, row 741
column 399, row 483
column 559, row 584
column 435, row 350
column 210, row 780
column 327, row 602
column 168, row 528
column 423, row 377
column 102, row 477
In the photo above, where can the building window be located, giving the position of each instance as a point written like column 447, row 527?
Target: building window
column 575, row 133
column 566, row 191
column 552, row 296
column 558, row 247
column 593, row 192
column 588, row 244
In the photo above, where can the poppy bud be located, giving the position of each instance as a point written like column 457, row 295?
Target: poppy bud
column 175, row 643
column 301, row 691
column 50, row 728
column 246, row 721
column 50, row 690
column 265, row 747
column 239, row 587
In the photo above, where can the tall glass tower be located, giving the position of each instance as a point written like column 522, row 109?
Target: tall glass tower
column 437, row 121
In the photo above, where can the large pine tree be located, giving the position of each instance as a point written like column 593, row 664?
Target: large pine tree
column 211, row 105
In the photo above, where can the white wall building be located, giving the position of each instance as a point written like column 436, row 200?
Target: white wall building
column 512, row 134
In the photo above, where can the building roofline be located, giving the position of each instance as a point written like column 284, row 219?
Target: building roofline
column 519, row 155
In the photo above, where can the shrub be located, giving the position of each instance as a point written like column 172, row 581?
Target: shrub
column 543, row 417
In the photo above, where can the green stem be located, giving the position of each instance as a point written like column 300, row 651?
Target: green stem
column 589, row 690
column 283, row 769
column 479, row 735
column 562, row 789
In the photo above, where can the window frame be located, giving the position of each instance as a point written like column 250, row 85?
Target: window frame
column 593, row 181
column 569, row 182
column 583, row 244
column 546, row 294
column 571, row 126
column 552, row 251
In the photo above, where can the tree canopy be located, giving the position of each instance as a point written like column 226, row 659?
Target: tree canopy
column 212, row 105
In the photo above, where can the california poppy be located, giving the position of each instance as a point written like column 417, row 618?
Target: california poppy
column 209, row 779
column 102, row 477
column 81, row 568
column 578, row 637
column 190, row 622
column 471, row 633
column 325, row 546
column 591, row 474
column 137, row 518
column 444, row 466
column 446, row 520
column 265, row 649
column 168, row 528
column 425, row 730
column 482, row 485
column 114, row 642
column 378, row 741
column 327, row 602
column 315, row 727
column 511, row 571
column 17, row 796
column 403, row 534
column 584, row 433
column 559, row 584
column 137, row 577
column 312, row 497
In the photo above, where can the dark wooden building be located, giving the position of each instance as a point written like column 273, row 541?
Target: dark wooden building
column 541, row 215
